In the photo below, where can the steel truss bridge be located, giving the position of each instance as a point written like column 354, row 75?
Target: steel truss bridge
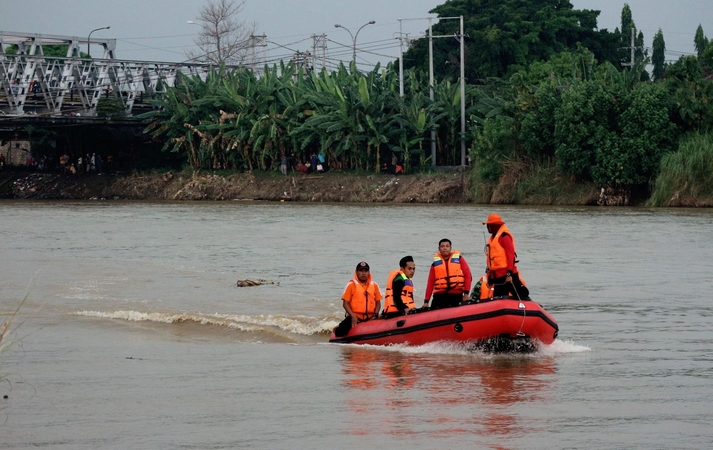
column 32, row 83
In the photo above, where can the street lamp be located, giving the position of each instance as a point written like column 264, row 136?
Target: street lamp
column 354, row 36
column 90, row 36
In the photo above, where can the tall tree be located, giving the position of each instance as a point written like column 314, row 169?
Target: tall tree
column 627, row 23
column 505, row 36
column 640, row 54
column 224, row 38
column 700, row 41
column 658, row 58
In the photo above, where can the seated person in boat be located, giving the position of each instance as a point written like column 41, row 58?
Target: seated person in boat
column 399, row 289
column 448, row 279
column 361, row 300
column 481, row 290
column 500, row 257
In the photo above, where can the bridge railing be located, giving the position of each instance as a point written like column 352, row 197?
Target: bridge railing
column 34, row 83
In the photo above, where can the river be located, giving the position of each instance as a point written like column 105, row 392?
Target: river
column 135, row 335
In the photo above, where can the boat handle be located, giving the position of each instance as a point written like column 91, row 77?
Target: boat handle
column 400, row 323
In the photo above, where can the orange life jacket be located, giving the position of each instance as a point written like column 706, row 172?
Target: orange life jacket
column 448, row 274
column 363, row 298
column 495, row 256
column 406, row 292
column 485, row 291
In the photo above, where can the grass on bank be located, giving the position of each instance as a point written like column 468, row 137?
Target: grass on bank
column 528, row 182
column 686, row 177
column 6, row 331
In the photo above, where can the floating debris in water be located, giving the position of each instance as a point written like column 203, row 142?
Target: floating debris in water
column 247, row 283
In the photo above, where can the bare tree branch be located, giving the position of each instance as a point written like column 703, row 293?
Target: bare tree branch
column 223, row 38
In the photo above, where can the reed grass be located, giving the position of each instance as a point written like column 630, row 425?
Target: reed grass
column 686, row 177
column 6, row 330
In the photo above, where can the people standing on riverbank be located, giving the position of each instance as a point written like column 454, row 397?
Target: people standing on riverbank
column 448, row 279
column 399, row 289
column 500, row 257
column 283, row 164
column 99, row 163
column 361, row 299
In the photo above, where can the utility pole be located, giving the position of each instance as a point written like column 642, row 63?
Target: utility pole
column 302, row 59
column 461, row 38
column 401, row 59
column 430, row 83
column 633, row 49
column 319, row 48
column 258, row 57
column 462, row 94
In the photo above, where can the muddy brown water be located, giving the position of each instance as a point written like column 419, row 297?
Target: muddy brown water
column 135, row 335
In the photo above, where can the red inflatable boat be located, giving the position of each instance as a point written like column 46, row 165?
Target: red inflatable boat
column 498, row 325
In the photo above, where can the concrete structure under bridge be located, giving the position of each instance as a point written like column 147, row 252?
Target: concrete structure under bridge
column 32, row 83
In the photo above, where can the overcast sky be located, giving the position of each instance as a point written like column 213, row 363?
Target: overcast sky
column 156, row 30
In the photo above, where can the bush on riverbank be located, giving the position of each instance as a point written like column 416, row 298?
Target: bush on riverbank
column 527, row 182
column 686, row 177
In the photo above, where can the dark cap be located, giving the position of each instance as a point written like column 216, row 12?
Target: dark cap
column 362, row 266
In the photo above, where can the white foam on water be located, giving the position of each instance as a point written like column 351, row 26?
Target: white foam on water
column 136, row 316
column 562, row 347
column 299, row 325
column 461, row 348
column 302, row 325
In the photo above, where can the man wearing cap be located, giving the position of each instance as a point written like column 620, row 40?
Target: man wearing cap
column 361, row 299
column 448, row 279
column 500, row 257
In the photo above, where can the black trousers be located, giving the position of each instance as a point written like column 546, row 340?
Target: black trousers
column 446, row 300
column 515, row 289
column 343, row 327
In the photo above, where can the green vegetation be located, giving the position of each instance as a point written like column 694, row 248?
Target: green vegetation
column 552, row 113
column 110, row 107
column 509, row 35
column 234, row 120
column 527, row 182
column 686, row 177
column 49, row 50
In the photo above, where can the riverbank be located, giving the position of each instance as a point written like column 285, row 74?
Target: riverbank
column 517, row 187
column 327, row 187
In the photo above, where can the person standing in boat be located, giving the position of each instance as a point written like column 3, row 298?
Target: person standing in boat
column 361, row 300
column 399, row 289
column 449, row 278
column 501, row 260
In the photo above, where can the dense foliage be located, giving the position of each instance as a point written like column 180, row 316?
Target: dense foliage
column 505, row 36
column 686, row 177
column 563, row 105
column 234, row 120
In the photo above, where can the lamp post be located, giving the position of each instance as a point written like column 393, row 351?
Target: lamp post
column 90, row 36
column 354, row 36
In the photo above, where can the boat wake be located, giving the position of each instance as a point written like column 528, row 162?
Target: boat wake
column 300, row 329
column 285, row 328
column 463, row 348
